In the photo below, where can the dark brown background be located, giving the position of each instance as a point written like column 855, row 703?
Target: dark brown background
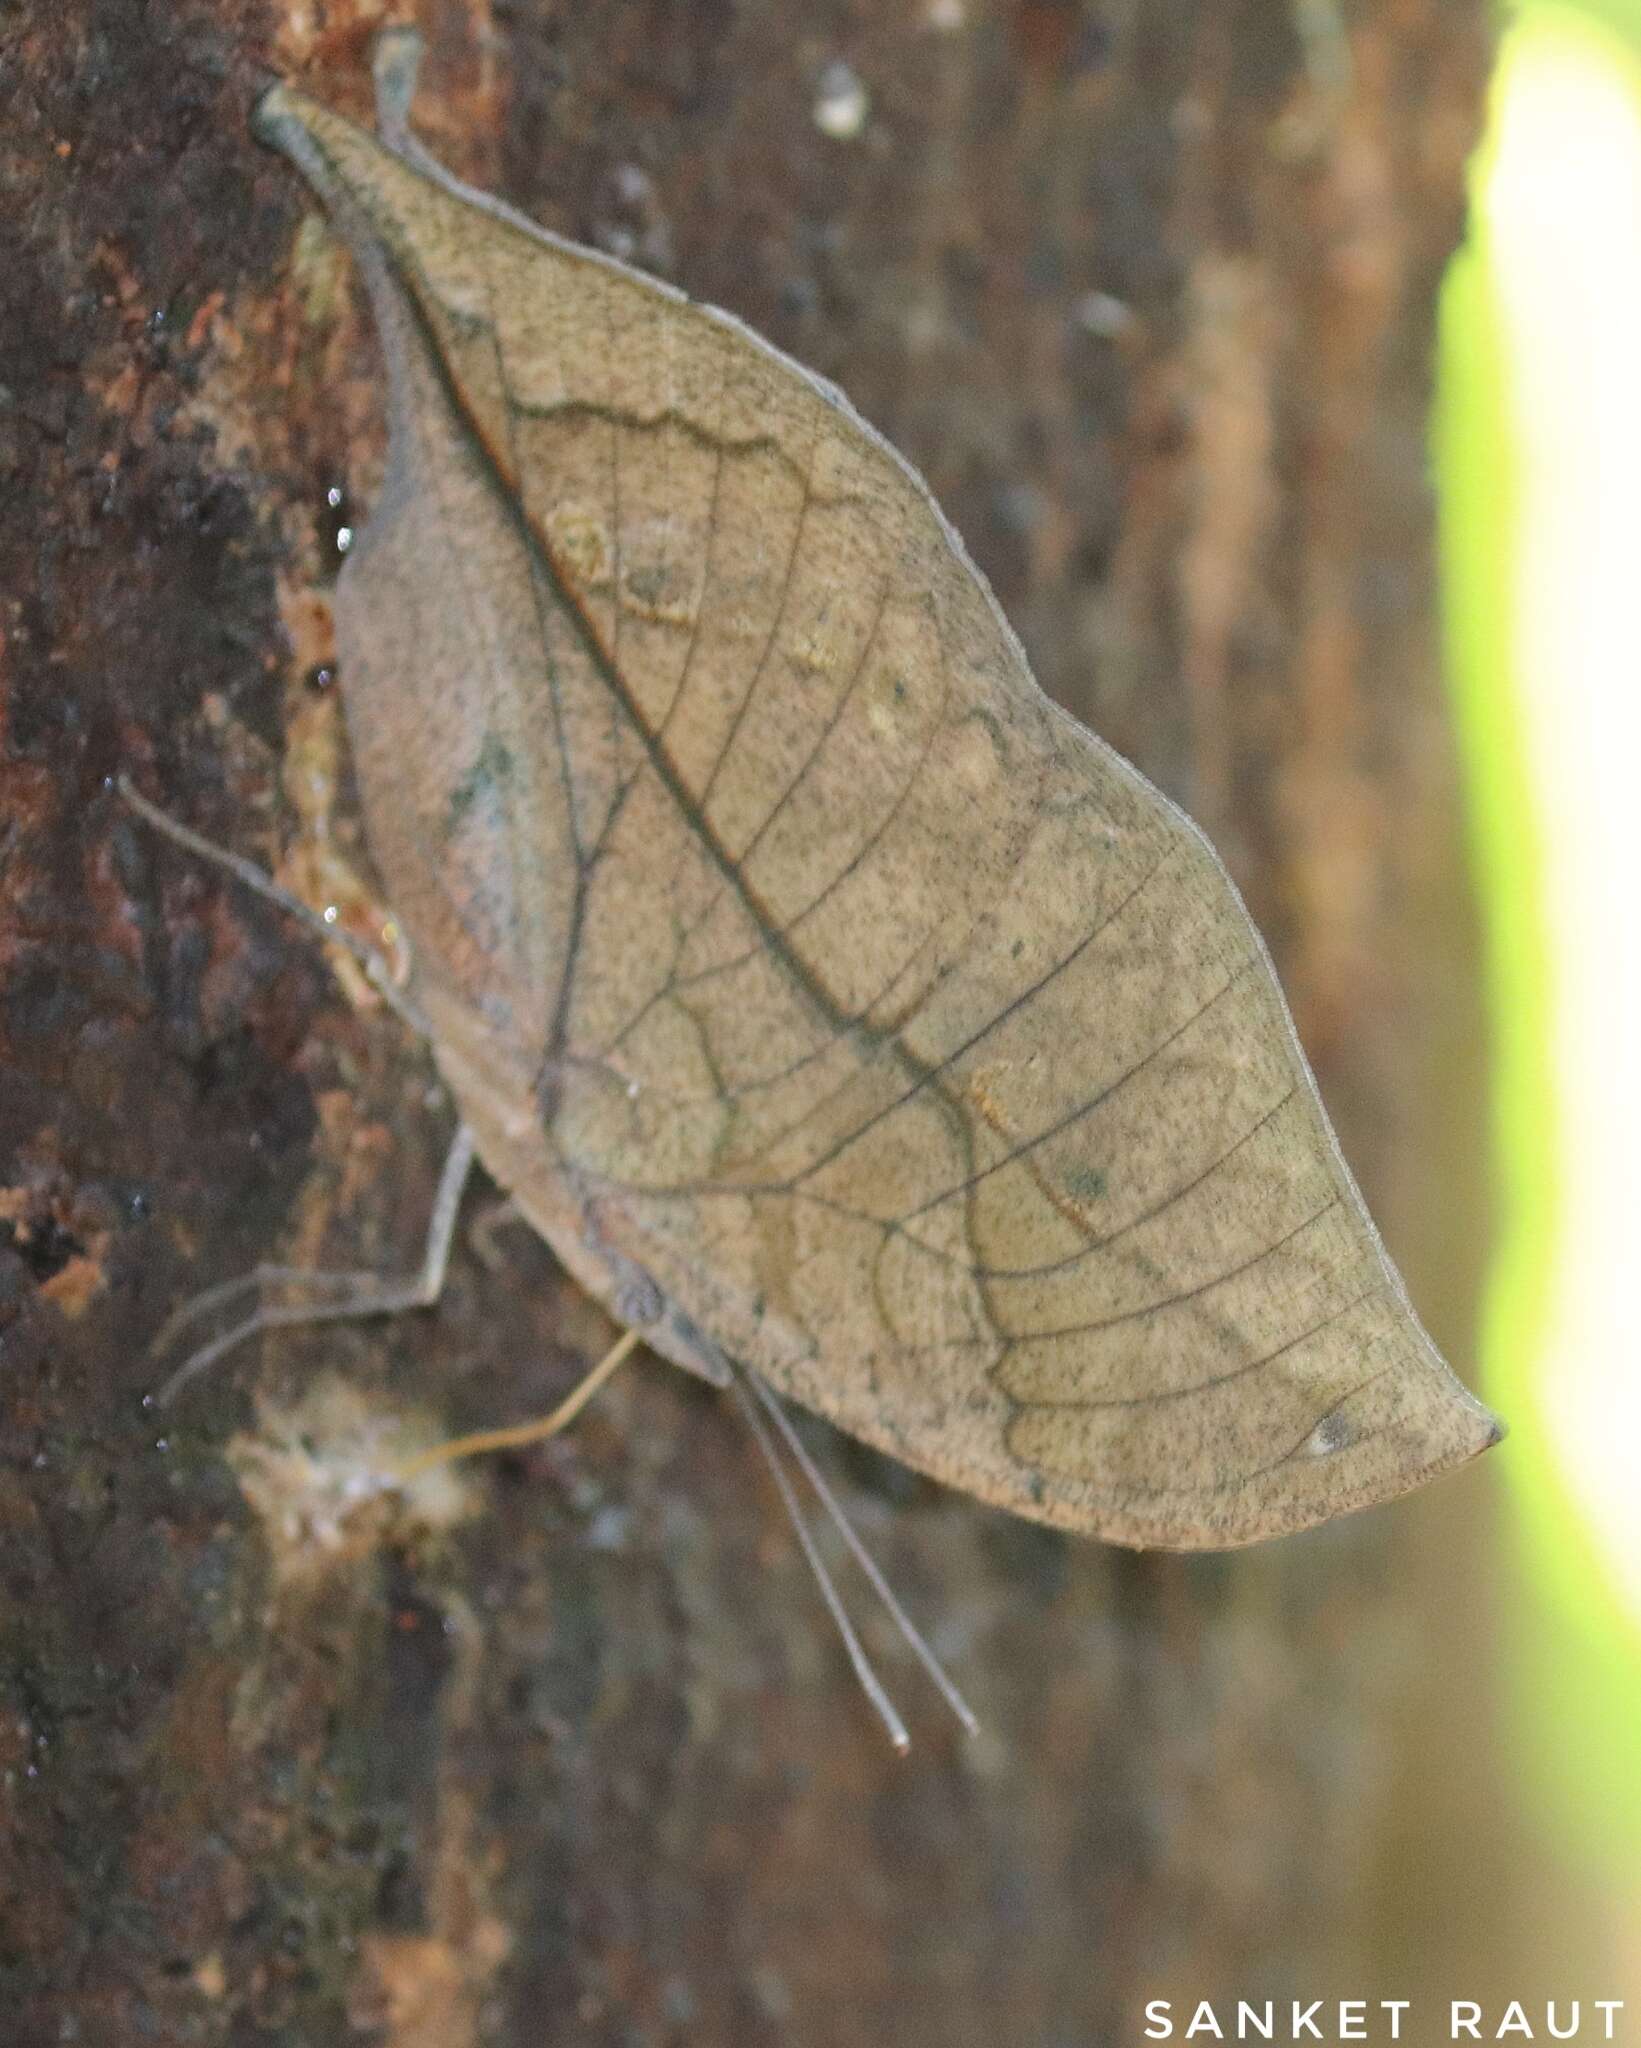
column 1147, row 290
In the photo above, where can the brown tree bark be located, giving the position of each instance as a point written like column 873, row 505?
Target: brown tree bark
column 570, row 1753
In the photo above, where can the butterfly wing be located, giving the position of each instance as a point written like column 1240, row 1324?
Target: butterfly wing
column 919, row 1049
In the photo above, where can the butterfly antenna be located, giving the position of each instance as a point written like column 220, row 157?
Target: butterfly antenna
column 863, row 1557
column 870, row 1683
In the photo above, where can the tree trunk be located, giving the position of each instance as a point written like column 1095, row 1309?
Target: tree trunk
column 567, row 1751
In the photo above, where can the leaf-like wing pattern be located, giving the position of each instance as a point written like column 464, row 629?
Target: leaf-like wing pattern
column 784, row 943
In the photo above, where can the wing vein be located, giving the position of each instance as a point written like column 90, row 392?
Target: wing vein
column 931, row 1074
column 1219, row 1379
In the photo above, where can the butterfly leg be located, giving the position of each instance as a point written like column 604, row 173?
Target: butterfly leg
column 337, row 1295
column 493, row 1218
column 377, row 969
column 536, row 1430
column 395, row 66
